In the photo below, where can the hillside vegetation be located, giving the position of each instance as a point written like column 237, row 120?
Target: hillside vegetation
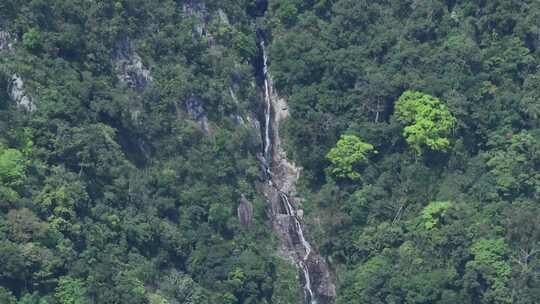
column 447, row 93
column 129, row 138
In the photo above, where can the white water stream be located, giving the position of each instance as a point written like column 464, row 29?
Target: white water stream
column 268, row 110
column 289, row 208
column 305, row 244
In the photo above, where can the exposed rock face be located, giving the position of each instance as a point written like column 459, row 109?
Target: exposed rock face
column 200, row 12
column 5, row 41
column 18, row 94
column 130, row 68
column 245, row 212
column 282, row 174
column 16, row 91
column 288, row 217
column 322, row 279
column 132, row 73
column 195, row 109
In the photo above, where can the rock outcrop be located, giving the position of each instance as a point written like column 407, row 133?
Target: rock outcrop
column 130, row 68
column 16, row 90
column 18, row 94
column 198, row 10
column 280, row 190
column 195, row 109
column 6, row 43
column 245, row 212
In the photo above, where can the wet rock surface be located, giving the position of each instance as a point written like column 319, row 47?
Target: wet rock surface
column 245, row 212
column 280, row 190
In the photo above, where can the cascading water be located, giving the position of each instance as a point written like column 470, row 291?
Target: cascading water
column 268, row 160
column 268, row 110
column 305, row 244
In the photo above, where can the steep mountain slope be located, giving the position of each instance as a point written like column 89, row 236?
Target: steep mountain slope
column 128, row 156
column 420, row 201
column 280, row 151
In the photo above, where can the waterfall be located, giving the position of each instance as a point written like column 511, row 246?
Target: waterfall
column 305, row 244
column 267, row 113
column 269, row 156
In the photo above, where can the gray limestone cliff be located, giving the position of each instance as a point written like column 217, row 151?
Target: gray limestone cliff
column 19, row 96
column 130, row 68
column 16, row 87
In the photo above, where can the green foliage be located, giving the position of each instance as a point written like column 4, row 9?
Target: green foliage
column 33, row 298
column 433, row 213
column 6, row 296
column 349, row 153
column 427, row 120
column 12, row 166
column 71, row 291
column 246, row 45
column 111, row 192
column 513, row 164
column 156, row 299
column 490, row 262
column 343, row 68
column 111, row 189
column 182, row 289
column 25, row 226
column 370, row 278
column 287, row 12
column 286, row 291
column 32, row 39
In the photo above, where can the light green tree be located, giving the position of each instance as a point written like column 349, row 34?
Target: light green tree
column 427, row 120
column 154, row 298
column 12, row 166
column 349, row 152
column 12, row 173
column 491, row 262
column 32, row 39
column 71, row 291
column 433, row 213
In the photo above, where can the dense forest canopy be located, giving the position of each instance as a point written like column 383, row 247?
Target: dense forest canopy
column 444, row 91
column 129, row 140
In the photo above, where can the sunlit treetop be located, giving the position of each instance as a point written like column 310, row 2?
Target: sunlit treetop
column 428, row 122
